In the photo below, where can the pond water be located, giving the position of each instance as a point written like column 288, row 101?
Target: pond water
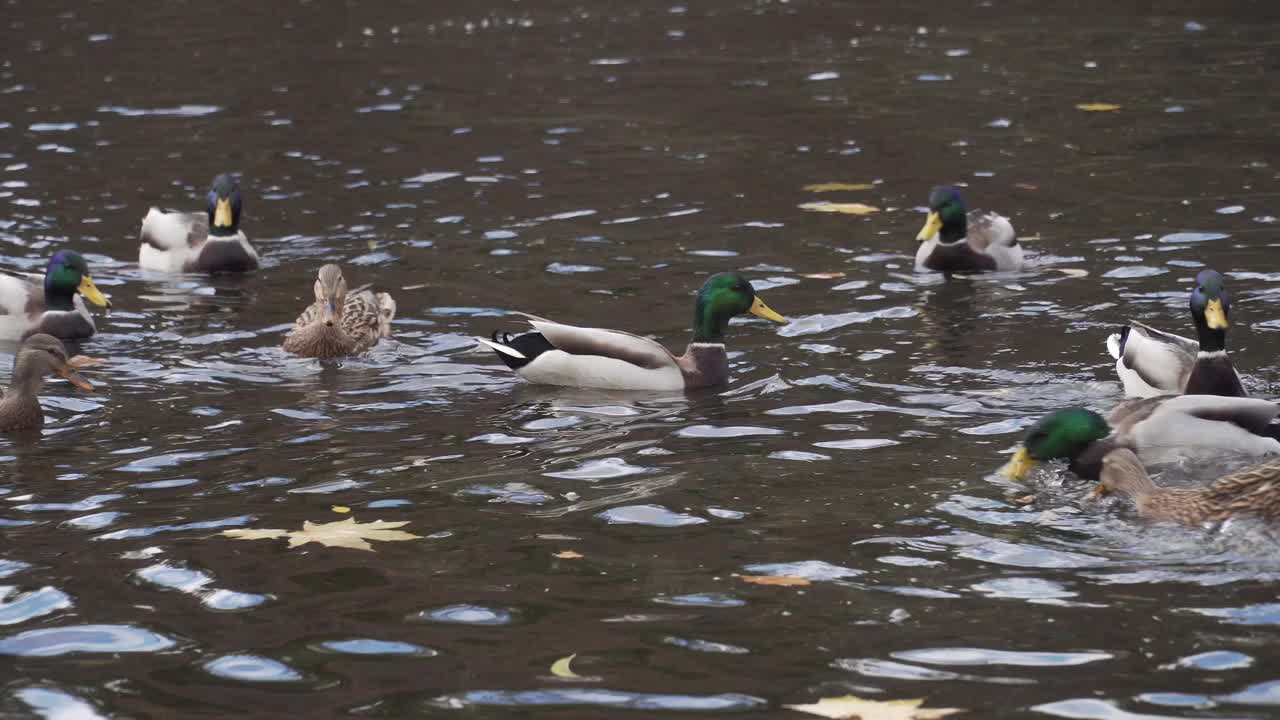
column 593, row 162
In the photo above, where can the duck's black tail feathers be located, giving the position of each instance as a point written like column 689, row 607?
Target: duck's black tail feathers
column 528, row 346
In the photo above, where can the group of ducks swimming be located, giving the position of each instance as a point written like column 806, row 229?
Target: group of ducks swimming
column 1186, row 397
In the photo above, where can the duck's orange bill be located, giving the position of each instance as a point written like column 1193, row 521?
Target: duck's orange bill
column 76, row 378
column 1098, row 492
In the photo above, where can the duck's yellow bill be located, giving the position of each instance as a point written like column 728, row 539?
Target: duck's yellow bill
column 91, row 292
column 1019, row 466
column 932, row 225
column 1215, row 316
column 759, row 309
column 76, row 378
column 222, row 213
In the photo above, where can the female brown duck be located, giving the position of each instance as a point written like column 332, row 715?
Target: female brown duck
column 1252, row 491
column 37, row 357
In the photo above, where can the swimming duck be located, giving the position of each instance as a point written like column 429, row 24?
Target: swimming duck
column 1254, row 491
column 38, row 356
column 340, row 322
column 953, row 240
column 556, row 354
column 1158, row 429
column 1150, row 362
column 58, row 309
column 209, row 242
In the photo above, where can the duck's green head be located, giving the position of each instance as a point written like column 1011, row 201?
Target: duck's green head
column 66, row 275
column 1061, row 435
column 947, row 215
column 1210, row 309
column 223, row 205
column 721, row 297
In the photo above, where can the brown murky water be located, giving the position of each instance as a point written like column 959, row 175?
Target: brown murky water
column 592, row 163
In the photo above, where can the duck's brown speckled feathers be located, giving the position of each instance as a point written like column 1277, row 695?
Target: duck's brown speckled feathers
column 1253, row 491
column 340, row 322
column 38, row 356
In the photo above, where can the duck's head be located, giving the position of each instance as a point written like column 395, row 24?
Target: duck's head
column 66, row 275
column 1210, row 308
column 223, row 205
column 1123, row 473
column 1061, row 435
column 331, row 293
column 42, row 355
column 721, row 297
column 947, row 215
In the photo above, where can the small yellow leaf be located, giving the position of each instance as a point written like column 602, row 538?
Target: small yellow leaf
column 1026, row 186
column 569, row 555
column 783, row 580
column 1097, row 107
column 341, row 509
column 561, row 669
column 849, row 707
column 341, row 533
column 846, row 208
column 823, row 275
column 833, row 186
column 1074, row 272
column 255, row 534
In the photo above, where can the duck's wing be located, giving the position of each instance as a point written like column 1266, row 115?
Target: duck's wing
column 1151, row 361
column 1251, row 414
column 361, row 318
column 632, row 349
column 989, row 232
column 310, row 315
column 174, row 230
column 1172, row 426
column 21, row 303
column 386, row 312
column 1260, row 482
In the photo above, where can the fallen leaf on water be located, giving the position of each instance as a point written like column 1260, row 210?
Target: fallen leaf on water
column 833, row 186
column 419, row 286
column 823, row 276
column 849, row 707
column 1097, row 107
column 569, row 555
column 341, row 509
column 783, row 580
column 846, row 208
column 561, row 669
column 340, row 533
column 1024, row 500
column 1026, row 186
column 1074, row 272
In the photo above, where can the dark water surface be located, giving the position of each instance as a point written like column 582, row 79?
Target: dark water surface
column 592, row 162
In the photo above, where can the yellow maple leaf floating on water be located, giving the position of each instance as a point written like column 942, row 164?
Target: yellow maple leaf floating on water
column 1097, row 107
column 833, row 186
column 846, row 208
column 849, row 707
column 340, row 533
column 779, row 580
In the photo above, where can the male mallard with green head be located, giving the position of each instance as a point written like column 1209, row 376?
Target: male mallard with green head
column 556, row 354
column 38, row 356
column 1150, row 362
column 58, row 308
column 340, row 322
column 1252, row 491
column 1158, row 429
column 209, row 242
column 953, row 240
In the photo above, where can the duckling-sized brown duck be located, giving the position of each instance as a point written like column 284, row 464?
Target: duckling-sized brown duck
column 339, row 322
column 1253, row 491
column 38, row 356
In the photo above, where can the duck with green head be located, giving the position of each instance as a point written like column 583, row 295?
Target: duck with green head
column 1151, row 362
column 1159, row 429
column 956, row 240
column 58, row 307
column 208, row 242
column 556, row 354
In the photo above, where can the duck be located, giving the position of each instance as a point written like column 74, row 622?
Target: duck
column 1159, row 429
column 38, row 356
column 209, row 242
column 340, row 322
column 1254, row 491
column 568, row 355
column 1151, row 362
column 58, row 309
column 954, row 240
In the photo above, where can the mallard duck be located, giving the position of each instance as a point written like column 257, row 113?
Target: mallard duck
column 209, row 242
column 1158, row 429
column 1254, row 491
column 340, row 322
column 58, row 309
column 556, row 354
column 1150, row 362
column 38, row 356
column 955, row 241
